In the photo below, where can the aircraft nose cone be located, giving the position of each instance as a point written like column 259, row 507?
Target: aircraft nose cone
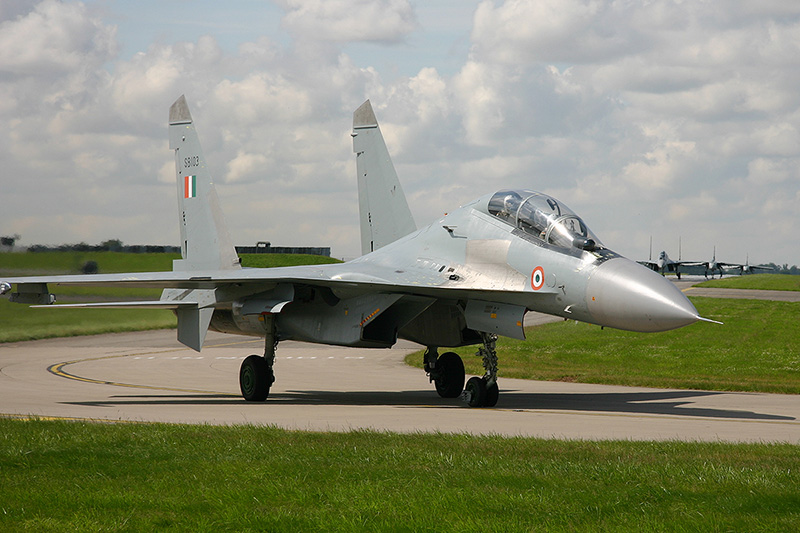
column 626, row 295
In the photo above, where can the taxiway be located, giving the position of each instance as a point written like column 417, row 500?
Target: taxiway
column 149, row 376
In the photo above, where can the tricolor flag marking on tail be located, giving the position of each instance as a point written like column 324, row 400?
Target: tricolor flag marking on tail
column 189, row 186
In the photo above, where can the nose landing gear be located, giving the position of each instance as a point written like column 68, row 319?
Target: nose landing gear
column 447, row 372
column 483, row 391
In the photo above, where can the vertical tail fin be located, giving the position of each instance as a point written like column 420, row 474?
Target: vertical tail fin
column 205, row 241
column 384, row 212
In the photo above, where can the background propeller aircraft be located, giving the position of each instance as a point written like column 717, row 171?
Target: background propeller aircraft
column 461, row 280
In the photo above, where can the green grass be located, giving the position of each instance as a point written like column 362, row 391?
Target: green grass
column 757, row 349
column 770, row 282
column 21, row 323
column 68, row 476
column 282, row 260
column 40, row 263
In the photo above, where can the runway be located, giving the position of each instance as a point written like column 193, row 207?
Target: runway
column 149, row 376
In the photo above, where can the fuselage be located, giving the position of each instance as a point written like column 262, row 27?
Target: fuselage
column 497, row 259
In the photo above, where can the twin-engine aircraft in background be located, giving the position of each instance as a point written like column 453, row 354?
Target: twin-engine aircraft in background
column 461, row 280
column 665, row 265
column 746, row 268
column 714, row 267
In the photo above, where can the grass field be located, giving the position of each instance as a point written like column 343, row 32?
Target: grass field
column 76, row 476
column 757, row 349
column 69, row 476
column 19, row 322
column 40, row 263
column 768, row 282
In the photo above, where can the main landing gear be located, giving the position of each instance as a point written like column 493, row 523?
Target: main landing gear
column 256, row 375
column 447, row 372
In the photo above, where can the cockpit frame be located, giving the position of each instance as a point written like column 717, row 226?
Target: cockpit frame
column 543, row 217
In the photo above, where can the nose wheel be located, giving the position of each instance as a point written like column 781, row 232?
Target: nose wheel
column 483, row 391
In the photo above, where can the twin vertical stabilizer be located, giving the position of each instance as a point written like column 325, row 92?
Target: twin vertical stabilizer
column 383, row 210
column 205, row 242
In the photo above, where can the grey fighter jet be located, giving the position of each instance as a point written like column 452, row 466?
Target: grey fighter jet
column 462, row 280
column 666, row 265
column 746, row 268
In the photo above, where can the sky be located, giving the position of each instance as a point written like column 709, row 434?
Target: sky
column 670, row 120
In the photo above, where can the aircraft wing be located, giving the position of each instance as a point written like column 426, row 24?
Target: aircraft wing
column 652, row 265
column 353, row 276
column 361, row 288
column 692, row 267
column 744, row 268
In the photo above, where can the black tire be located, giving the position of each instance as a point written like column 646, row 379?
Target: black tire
column 450, row 375
column 492, row 395
column 477, row 389
column 255, row 379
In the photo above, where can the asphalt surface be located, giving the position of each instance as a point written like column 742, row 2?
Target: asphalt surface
column 742, row 294
column 149, row 376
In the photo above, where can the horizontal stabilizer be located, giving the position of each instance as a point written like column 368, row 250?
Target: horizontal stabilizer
column 193, row 325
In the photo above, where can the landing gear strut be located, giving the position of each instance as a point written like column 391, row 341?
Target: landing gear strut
column 446, row 371
column 483, row 392
column 256, row 375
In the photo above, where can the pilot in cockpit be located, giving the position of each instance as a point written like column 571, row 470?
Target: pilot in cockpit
column 509, row 211
column 539, row 223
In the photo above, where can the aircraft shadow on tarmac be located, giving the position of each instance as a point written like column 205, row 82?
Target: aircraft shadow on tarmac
column 673, row 403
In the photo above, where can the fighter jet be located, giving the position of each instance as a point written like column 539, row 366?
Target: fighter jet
column 462, row 280
column 745, row 268
column 718, row 267
column 714, row 266
column 665, row 265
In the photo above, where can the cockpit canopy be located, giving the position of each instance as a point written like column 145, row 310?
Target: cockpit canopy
column 544, row 217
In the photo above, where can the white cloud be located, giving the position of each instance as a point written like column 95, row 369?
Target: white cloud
column 54, row 38
column 648, row 118
column 385, row 21
column 766, row 171
column 523, row 31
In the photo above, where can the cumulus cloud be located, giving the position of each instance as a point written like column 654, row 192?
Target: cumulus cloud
column 551, row 31
column 52, row 39
column 648, row 118
column 384, row 21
